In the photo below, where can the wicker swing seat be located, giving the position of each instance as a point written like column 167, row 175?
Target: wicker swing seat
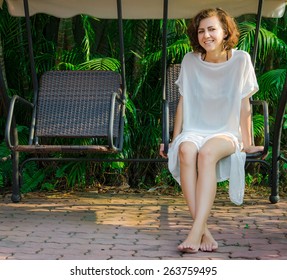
column 74, row 104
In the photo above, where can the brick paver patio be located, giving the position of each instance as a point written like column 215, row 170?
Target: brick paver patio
column 91, row 226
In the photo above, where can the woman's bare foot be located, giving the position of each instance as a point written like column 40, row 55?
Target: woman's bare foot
column 192, row 243
column 208, row 243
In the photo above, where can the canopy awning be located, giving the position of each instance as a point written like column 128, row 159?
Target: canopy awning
column 143, row 9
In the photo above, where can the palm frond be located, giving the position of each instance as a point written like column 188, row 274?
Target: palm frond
column 175, row 52
column 271, row 85
column 268, row 42
column 258, row 125
column 33, row 177
column 105, row 63
column 89, row 37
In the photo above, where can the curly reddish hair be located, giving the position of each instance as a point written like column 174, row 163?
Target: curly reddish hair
column 228, row 24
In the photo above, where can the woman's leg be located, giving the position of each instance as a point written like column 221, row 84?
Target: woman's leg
column 188, row 158
column 188, row 173
column 213, row 150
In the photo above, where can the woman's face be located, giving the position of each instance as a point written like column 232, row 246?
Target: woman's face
column 211, row 34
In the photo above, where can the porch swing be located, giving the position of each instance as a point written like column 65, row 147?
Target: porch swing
column 80, row 104
column 113, row 84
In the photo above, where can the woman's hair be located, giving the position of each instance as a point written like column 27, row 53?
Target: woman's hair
column 227, row 23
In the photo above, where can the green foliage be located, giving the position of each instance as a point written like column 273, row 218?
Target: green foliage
column 164, row 177
column 105, row 63
column 5, row 167
column 223, row 185
column 33, row 177
column 268, row 42
column 255, row 179
column 73, row 173
column 47, row 187
column 285, row 122
column 271, row 86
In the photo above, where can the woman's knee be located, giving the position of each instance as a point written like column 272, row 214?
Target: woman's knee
column 187, row 152
column 207, row 156
column 214, row 150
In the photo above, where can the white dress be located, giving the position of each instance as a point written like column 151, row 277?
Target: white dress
column 212, row 94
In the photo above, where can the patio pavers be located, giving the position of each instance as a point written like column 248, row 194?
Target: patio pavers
column 92, row 226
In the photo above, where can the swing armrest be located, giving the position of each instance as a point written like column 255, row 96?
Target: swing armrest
column 264, row 105
column 11, row 122
column 165, row 125
column 115, row 97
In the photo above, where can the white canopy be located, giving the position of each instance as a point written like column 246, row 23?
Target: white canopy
column 142, row 9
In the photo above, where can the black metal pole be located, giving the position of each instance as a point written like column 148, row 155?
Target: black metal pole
column 30, row 45
column 33, row 68
column 164, row 48
column 165, row 114
column 122, row 48
column 274, row 197
column 3, row 94
column 257, row 30
column 123, row 68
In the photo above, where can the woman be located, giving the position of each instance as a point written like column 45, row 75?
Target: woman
column 213, row 120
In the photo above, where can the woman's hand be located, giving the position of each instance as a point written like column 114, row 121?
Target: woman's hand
column 161, row 151
column 253, row 149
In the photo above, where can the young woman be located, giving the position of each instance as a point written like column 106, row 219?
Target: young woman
column 212, row 130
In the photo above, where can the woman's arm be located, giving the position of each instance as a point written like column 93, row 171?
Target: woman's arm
column 177, row 125
column 245, row 124
column 178, row 119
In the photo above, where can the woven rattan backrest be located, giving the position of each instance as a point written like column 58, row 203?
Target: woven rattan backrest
column 172, row 92
column 76, row 103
